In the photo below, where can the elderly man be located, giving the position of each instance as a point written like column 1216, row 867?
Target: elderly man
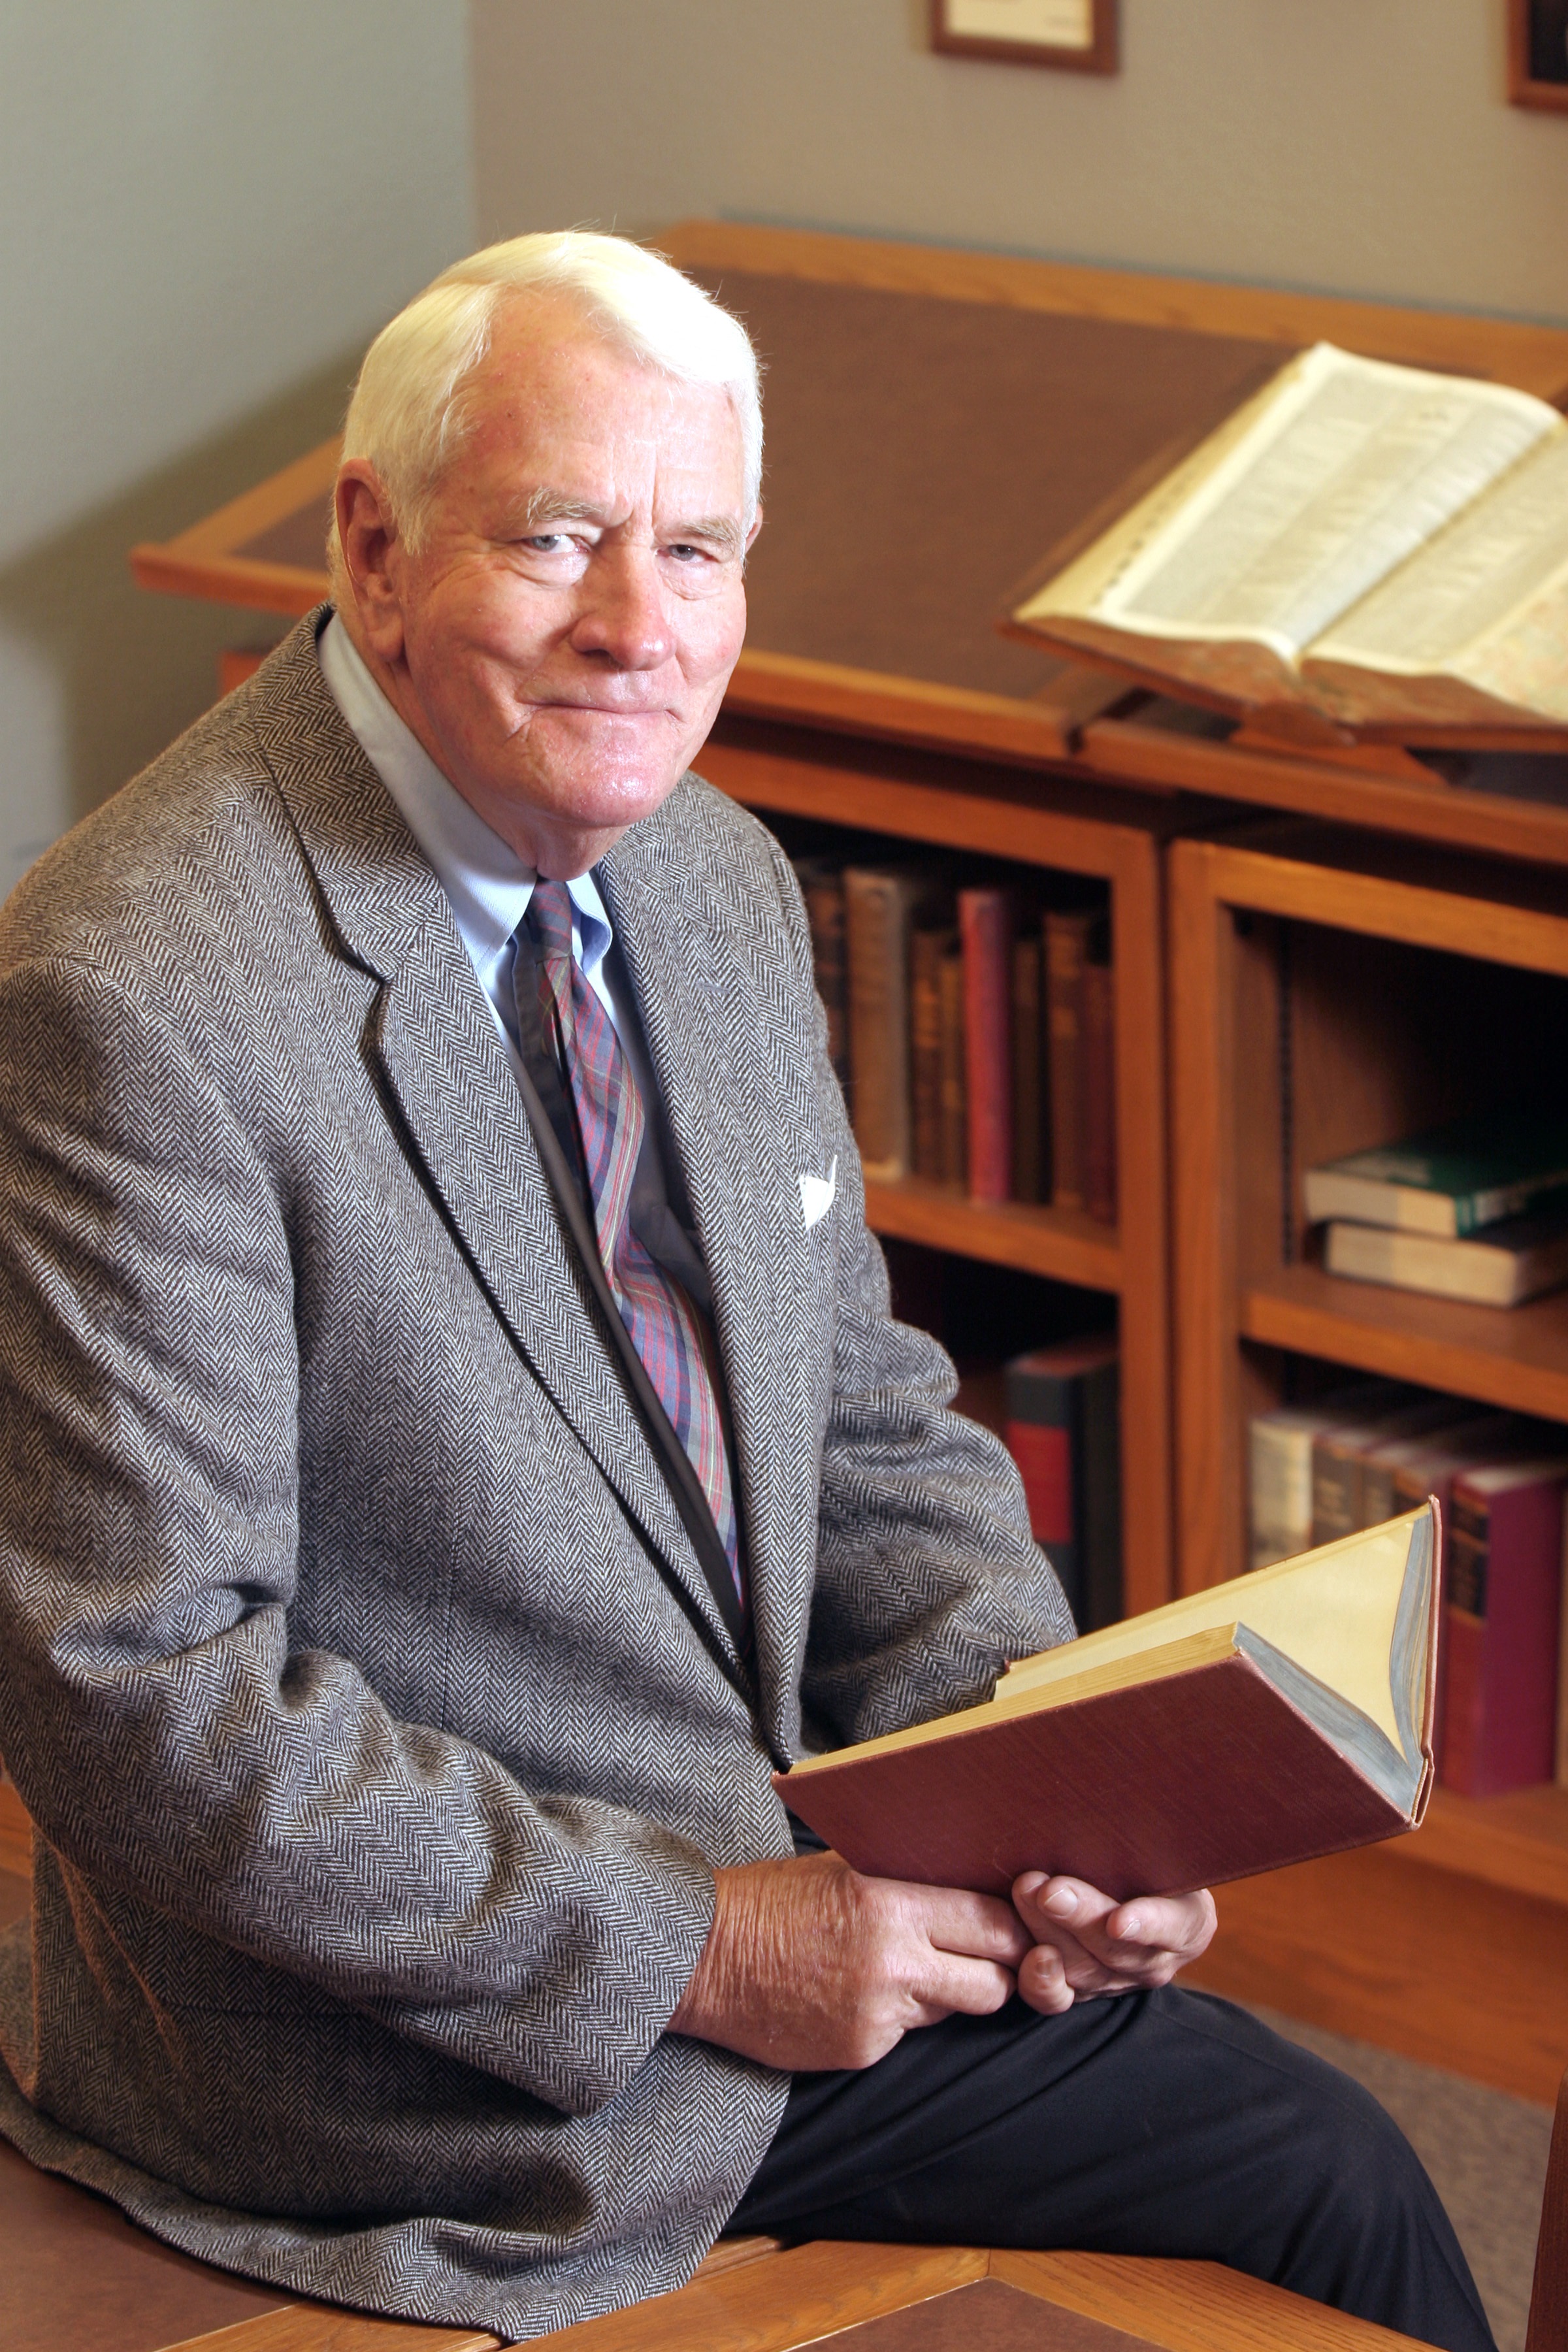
column 448, row 1445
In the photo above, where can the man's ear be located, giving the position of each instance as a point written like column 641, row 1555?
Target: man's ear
column 373, row 556
column 756, row 526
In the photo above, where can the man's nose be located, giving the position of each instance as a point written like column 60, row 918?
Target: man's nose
column 623, row 620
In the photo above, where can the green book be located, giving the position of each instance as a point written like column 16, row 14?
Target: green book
column 1451, row 1181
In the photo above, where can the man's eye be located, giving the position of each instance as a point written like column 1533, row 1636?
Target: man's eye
column 687, row 551
column 548, row 543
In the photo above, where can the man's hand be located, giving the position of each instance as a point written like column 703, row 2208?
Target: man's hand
column 1085, row 1944
column 808, row 1965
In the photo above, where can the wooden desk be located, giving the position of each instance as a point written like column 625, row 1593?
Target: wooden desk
column 935, row 421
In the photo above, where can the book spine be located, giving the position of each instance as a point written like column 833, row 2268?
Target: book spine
column 1029, row 1178
column 1279, row 1479
column 875, row 931
column 954, row 1081
column 824, row 911
column 1065, row 940
column 1099, row 1092
column 1336, row 1501
column 1505, row 1560
column 985, row 923
column 1042, row 1446
column 927, row 950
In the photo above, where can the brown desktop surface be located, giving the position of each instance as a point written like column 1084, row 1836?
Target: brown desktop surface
column 922, row 454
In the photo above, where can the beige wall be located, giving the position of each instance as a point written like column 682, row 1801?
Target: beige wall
column 206, row 207
column 1353, row 146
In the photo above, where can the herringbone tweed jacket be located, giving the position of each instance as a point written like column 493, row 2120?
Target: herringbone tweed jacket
column 377, row 1770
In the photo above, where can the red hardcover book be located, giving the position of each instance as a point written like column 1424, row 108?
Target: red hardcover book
column 1505, row 1593
column 985, row 925
column 1286, row 1714
column 1063, row 1431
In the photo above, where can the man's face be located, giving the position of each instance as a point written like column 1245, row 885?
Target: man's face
column 562, row 639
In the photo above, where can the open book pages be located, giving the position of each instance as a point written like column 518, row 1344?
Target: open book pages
column 1345, row 1634
column 1485, row 600
column 1352, row 516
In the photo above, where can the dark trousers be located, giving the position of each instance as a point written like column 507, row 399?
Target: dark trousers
column 1163, row 2122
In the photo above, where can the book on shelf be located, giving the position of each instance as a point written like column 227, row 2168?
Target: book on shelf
column 1503, row 1626
column 986, row 921
column 954, row 1081
column 880, row 904
column 1063, row 1429
column 1284, row 1715
column 1279, row 1463
column 1361, row 549
column 946, row 1031
column 1081, row 1059
column 822, row 886
column 1450, row 1181
column 928, row 948
column 1340, row 1455
column 1501, row 1266
column 1031, row 1169
column 1398, row 1472
column 1067, row 940
column 1428, row 1466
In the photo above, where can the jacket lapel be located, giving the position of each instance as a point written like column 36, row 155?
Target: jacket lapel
column 736, row 1126
column 436, row 1049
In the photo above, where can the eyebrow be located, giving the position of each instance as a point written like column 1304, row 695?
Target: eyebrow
column 545, row 506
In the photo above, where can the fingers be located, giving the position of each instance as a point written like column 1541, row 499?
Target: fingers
column 948, row 1982
column 980, row 1926
column 1184, row 1923
column 1090, row 1946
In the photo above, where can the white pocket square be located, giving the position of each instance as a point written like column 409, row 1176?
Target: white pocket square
column 816, row 1195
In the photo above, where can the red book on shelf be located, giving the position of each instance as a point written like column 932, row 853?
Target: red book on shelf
column 985, row 926
column 1505, row 1590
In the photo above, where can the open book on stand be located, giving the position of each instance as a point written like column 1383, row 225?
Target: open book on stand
column 1286, row 1714
column 1361, row 551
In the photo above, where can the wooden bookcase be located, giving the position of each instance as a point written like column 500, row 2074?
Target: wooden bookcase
column 1328, row 991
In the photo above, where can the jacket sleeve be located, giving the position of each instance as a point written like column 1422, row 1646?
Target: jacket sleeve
column 928, row 1577
column 165, row 1738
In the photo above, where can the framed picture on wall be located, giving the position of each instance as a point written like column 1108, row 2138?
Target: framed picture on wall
column 1538, row 53
column 1078, row 34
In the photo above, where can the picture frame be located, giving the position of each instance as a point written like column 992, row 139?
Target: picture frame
column 1538, row 54
column 1075, row 35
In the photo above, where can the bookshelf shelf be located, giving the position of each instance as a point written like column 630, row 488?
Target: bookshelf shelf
column 1519, row 1842
column 1056, row 1242
column 1329, row 992
column 1515, row 1357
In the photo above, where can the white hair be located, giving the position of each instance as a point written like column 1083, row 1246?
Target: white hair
column 407, row 413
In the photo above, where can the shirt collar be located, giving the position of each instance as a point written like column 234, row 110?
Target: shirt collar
column 485, row 882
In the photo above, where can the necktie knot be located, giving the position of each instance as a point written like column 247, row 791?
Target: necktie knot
column 549, row 918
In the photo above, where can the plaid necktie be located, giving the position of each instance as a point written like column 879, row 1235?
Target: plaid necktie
column 668, row 1332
